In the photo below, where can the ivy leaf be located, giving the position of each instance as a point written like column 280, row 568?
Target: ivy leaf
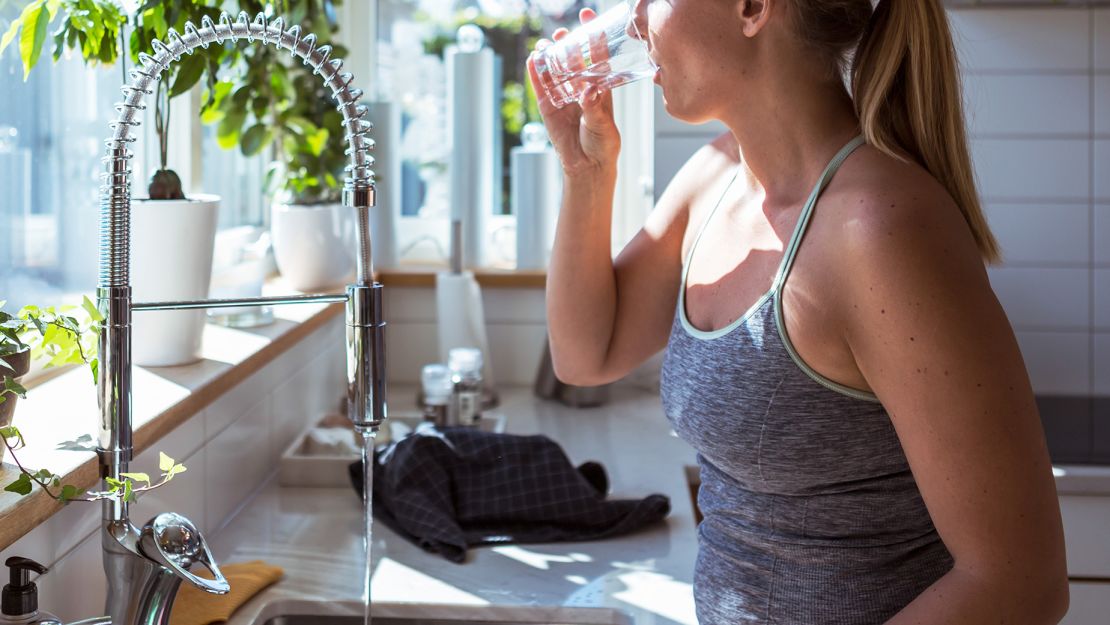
column 13, row 387
column 21, row 485
column 70, row 492
column 191, row 69
column 43, row 475
column 138, row 477
column 165, row 463
column 177, row 468
column 32, row 35
column 128, row 491
column 90, row 308
column 11, row 431
column 94, row 365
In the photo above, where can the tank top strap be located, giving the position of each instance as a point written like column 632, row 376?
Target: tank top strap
column 807, row 212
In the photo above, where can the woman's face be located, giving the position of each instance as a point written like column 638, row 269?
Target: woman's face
column 702, row 52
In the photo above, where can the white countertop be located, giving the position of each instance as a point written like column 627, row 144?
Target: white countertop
column 314, row 533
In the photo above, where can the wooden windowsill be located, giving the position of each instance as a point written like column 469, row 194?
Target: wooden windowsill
column 425, row 276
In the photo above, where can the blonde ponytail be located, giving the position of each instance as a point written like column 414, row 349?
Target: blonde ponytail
column 906, row 89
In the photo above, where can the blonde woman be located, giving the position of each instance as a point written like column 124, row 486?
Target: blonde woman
column 869, row 444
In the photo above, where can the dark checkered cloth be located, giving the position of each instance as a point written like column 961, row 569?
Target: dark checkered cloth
column 447, row 490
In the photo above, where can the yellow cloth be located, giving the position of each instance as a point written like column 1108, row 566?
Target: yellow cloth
column 193, row 606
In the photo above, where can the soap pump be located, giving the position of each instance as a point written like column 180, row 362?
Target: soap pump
column 20, row 599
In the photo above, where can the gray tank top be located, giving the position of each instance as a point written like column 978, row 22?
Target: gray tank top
column 811, row 513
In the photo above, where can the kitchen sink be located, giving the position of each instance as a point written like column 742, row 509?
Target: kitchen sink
column 308, row 613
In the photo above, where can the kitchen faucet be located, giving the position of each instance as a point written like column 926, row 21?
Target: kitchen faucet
column 145, row 566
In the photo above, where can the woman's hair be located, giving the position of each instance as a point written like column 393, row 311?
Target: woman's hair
column 906, row 87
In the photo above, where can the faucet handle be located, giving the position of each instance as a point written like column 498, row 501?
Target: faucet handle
column 174, row 542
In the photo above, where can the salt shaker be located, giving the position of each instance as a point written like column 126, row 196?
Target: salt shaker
column 465, row 364
column 437, row 389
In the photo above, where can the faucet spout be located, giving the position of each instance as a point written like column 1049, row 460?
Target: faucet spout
column 145, row 567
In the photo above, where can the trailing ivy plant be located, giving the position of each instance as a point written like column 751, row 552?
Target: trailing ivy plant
column 103, row 34
column 273, row 100
column 66, row 335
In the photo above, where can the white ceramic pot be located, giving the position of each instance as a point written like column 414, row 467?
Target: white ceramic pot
column 171, row 259
column 314, row 245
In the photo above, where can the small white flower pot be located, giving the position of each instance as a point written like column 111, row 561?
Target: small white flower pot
column 314, row 245
column 171, row 260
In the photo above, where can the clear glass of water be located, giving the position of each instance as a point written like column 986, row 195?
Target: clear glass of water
column 608, row 51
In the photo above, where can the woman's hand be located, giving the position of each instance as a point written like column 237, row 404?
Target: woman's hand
column 585, row 135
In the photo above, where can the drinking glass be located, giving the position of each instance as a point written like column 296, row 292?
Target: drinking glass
column 608, row 51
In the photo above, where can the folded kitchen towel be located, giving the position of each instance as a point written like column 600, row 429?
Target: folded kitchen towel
column 453, row 488
column 196, row 607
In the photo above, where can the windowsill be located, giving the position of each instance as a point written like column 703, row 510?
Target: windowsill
column 64, row 407
column 492, row 278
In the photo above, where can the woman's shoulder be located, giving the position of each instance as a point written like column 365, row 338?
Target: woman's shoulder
column 875, row 193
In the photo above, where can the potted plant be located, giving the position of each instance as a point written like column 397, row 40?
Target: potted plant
column 56, row 337
column 172, row 235
column 275, row 102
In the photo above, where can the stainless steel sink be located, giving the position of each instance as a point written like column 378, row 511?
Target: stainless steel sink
column 357, row 620
column 344, row 613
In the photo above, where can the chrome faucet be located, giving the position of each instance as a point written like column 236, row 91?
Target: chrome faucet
column 146, row 566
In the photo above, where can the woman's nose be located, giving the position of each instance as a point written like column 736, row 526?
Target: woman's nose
column 637, row 23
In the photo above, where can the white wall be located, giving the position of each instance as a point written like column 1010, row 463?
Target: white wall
column 229, row 450
column 1037, row 85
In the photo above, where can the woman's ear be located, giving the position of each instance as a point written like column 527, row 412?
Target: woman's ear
column 754, row 15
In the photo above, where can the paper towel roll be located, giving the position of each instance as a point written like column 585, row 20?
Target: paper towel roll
column 386, row 117
column 536, row 195
column 471, row 96
column 460, row 320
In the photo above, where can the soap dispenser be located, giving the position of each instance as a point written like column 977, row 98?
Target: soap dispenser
column 20, row 602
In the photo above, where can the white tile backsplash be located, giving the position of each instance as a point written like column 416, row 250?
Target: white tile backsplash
column 1058, row 362
column 236, row 463
column 1028, row 104
column 58, row 535
column 1102, row 39
column 408, row 347
column 1102, row 299
column 1044, row 298
column 75, row 587
column 1101, row 345
column 1102, row 104
column 1084, row 519
column 1102, row 170
column 1032, row 169
column 1102, row 233
column 1022, row 39
column 1088, row 603
column 1042, row 233
column 516, row 352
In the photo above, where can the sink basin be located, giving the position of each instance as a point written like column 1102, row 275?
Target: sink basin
column 357, row 620
column 310, row 613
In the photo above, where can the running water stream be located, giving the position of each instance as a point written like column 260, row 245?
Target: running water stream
column 367, row 513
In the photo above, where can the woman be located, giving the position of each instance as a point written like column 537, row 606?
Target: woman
column 869, row 444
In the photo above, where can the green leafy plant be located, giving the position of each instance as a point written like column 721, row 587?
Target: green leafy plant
column 273, row 100
column 103, row 35
column 61, row 336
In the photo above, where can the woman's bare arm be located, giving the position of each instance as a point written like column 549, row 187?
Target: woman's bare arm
column 930, row 337
column 607, row 316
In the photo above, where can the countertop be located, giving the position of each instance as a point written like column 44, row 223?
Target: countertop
column 645, row 578
column 314, row 533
